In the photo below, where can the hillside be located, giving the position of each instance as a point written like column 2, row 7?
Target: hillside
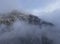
column 29, row 18
column 21, row 28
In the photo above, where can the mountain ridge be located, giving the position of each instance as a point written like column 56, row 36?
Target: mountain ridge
column 11, row 17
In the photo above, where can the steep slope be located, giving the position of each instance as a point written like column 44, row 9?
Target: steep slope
column 31, row 19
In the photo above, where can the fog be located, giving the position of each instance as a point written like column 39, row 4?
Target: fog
column 53, row 17
column 22, row 30
column 19, row 29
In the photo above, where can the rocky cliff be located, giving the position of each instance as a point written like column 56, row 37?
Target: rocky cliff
column 29, row 18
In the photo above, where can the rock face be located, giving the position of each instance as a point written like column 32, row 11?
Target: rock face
column 31, row 19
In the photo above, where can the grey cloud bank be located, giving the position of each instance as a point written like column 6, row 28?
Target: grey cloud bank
column 8, row 5
column 48, row 10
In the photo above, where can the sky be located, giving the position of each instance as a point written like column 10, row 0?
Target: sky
column 33, row 6
column 36, row 7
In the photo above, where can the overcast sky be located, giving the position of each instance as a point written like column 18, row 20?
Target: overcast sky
column 37, row 7
column 34, row 6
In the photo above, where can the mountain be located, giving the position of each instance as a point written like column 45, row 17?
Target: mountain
column 29, row 18
column 23, row 34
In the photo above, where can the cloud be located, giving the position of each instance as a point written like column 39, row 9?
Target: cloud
column 48, row 9
column 8, row 5
column 49, row 12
